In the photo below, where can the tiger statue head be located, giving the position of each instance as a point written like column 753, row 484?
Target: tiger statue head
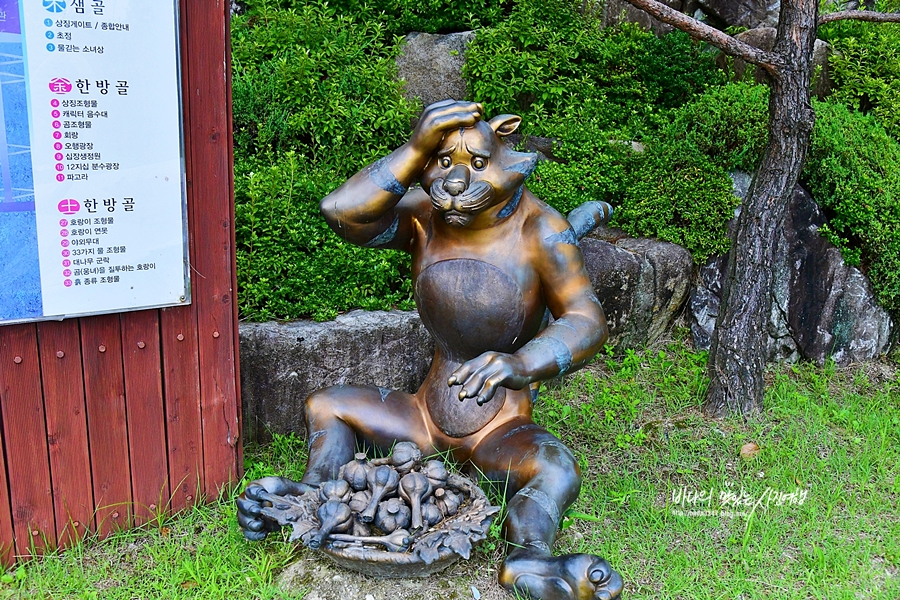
column 473, row 170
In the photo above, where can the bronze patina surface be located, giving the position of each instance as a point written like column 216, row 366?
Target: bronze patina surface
column 436, row 519
column 489, row 260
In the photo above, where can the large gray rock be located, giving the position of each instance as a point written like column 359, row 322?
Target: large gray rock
column 764, row 39
column 282, row 363
column 621, row 11
column 821, row 307
column 542, row 146
column 432, row 64
column 821, row 72
column 642, row 284
column 832, row 310
column 704, row 308
column 743, row 13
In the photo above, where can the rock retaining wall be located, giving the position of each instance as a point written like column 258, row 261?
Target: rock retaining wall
column 282, row 363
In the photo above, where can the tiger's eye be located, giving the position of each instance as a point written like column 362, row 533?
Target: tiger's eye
column 445, row 162
column 478, row 163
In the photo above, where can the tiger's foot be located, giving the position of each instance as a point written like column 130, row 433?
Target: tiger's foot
column 536, row 575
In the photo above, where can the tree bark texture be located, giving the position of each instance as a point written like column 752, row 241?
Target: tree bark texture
column 737, row 356
column 860, row 15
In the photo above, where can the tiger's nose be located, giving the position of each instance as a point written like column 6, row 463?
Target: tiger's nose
column 457, row 180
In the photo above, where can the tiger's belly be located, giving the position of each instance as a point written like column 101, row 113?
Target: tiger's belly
column 469, row 307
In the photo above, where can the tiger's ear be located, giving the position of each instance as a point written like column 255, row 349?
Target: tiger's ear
column 503, row 125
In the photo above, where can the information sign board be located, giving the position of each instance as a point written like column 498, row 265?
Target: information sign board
column 92, row 212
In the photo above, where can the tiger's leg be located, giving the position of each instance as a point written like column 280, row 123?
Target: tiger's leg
column 339, row 417
column 542, row 479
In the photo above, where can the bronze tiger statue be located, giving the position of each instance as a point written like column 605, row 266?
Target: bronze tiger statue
column 489, row 259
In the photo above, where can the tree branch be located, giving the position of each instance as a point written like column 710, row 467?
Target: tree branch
column 711, row 35
column 859, row 15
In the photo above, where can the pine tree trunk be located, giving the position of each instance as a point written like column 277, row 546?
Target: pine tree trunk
column 738, row 352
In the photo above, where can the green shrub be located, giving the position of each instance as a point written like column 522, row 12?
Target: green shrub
column 853, row 172
column 596, row 90
column 728, row 124
column 316, row 82
column 865, row 67
column 400, row 17
column 680, row 196
column 547, row 58
column 678, row 188
column 315, row 100
column 290, row 264
column 429, row 16
column 591, row 163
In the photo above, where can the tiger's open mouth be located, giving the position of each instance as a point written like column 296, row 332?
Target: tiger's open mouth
column 460, row 210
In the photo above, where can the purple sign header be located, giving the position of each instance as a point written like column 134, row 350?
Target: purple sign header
column 9, row 16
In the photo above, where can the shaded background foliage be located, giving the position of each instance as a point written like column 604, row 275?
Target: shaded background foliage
column 316, row 99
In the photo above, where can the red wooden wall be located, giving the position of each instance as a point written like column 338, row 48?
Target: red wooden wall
column 106, row 421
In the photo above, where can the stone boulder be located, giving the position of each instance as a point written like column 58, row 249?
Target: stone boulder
column 542, row 146
column 621, row 11
column 642, row 284
column 742, row 13
column 282, row 363
column 832, row 310
column 821, row 307
column 431, row 66
column 764, row 39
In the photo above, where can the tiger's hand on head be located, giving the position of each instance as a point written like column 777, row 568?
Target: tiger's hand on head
column 439, row 118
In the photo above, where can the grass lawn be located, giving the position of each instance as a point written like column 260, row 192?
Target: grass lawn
column 667, row 497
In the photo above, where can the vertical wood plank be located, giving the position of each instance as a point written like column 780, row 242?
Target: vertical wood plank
column 104, row 387
column 7, row 536
column 141, row 355
column 25, row 435
column 236, row 342
column 67, row 440
column 181, row 361
column 213, row 261
column 181, row 369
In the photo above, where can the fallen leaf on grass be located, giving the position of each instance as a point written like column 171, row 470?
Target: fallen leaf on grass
column 749, row 450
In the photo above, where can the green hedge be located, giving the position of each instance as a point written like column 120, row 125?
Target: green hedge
column 865, row 66
column 547, row 59
column 315, row 99
column 290, row 264
column 678, row 188
column 318, row 82
column 399, row 17
column 596, row 90
column 853, row 172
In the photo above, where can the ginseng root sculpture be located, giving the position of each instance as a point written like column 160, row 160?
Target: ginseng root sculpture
column 489, row 260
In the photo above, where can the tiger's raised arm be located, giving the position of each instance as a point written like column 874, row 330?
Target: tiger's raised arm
column 373, row 208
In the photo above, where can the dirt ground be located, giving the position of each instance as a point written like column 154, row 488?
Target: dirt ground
column 321, row 579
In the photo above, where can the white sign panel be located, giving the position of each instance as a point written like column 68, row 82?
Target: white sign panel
column 92, row 216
